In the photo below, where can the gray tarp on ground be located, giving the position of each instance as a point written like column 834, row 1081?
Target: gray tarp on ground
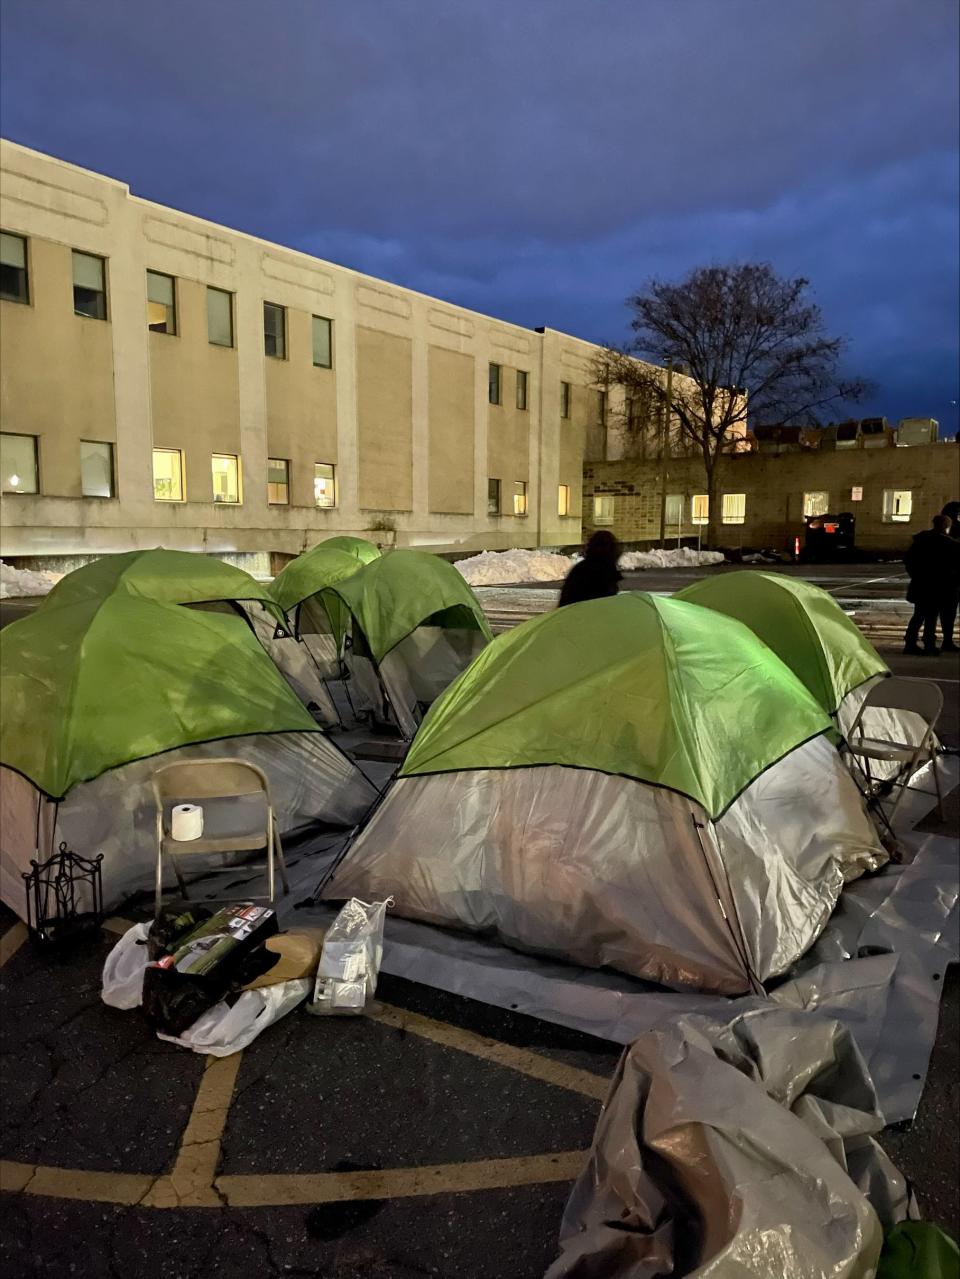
column 735, row 1150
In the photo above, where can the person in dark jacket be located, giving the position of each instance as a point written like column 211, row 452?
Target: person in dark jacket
column 596, row 575
column 948, row 612
column 933, row 562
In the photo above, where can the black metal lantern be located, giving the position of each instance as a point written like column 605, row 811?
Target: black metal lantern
column 64, row 898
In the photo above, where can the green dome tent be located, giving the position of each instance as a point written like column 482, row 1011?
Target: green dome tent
column 93, row 686
column 416, row 625
column 318, row 616
column 631, row 782
column 805, row 627
column 358, row 547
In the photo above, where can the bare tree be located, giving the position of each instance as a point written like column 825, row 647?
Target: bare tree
column 752, row 348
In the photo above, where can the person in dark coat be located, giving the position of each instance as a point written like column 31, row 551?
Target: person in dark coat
column 933, row 562
column 596, row 575
column 948, row 612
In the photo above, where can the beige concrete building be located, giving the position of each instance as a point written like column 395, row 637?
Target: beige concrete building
column 892, row 492
column 167, row 381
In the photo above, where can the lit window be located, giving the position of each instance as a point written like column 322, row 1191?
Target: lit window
column 519, row 497
column 493, row 384
column 493, row 497
column 897, row 506
column 96, row 469
column 278, row 481
column 563, row 499
column 89, row 286
column 274, row 331
column 856, row 493
column 219, row 317
column 18, row 463
column 733, row 508
column 322, row 344
column 603, row 508
column 521, row 389
column 673, row 510
column 161, row 303
column 226, row 477
column 700, row 509
column 564, row 399
column 168, row 475
column 602, row 407
column 816, row 503
column 14, row 285
column 324, row 485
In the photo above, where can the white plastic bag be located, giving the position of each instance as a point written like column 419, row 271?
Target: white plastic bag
column 350, row 958
column 223, row 1030
column 124, row 968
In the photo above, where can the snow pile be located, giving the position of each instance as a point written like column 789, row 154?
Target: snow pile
column 18, row 582
column 679, row 557
column 500, row 568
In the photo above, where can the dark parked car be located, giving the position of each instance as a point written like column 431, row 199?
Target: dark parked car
column 828, row 537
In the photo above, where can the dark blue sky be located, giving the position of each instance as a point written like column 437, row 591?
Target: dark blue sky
column 539, row 159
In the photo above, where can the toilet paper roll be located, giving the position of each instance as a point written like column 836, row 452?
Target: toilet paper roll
column 186, row 822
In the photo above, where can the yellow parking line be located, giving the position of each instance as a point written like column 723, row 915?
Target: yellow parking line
column 12, row 940
column 544, row 1069
column 74, row 1183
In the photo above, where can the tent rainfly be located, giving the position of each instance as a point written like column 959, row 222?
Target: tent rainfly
column 415, row 626
column 94, row 690
column 319, row 618
column 632, row 782
column 358, row 547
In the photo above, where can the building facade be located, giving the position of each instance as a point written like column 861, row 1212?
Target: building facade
column 168, row 381
column 892, row 492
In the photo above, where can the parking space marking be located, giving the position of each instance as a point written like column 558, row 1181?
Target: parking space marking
column 544, row 1069
column 12, row 940
column 74, row 1183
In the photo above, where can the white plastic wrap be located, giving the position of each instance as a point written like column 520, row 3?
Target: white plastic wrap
column 350, row 959
column 225, row 1029
column 124, row 968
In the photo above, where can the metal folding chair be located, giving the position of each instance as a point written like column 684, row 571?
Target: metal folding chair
column 237, row 816
column 865, row 742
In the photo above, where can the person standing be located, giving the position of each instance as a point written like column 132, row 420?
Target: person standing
column 948, row 612
column 933, row 563
column 596, row 575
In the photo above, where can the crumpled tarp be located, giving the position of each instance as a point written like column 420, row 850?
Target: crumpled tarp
column 735, row 1150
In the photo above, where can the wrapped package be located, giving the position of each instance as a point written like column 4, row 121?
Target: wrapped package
column 350, row 958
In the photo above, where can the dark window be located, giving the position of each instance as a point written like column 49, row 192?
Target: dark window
column 89, row 286
column 564, row 399
column 521, row 389
column 219, row 317
column 602, row 407
column 161, row 303
column 14, row 285
column 96, row 469
column 493, row 384
column 274, row 330
column 493, row 497
column 322, row 342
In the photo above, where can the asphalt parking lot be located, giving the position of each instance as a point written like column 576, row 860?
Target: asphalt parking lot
column 434, row 1136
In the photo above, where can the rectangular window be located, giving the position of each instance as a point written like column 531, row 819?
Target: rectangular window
column 324, row 485
column 817, row 503
column 733, row 508
column 521, row 389
column 161, row 303
column 603, row 508
column 167, row 475
column 700, row 509
column 89, row 286
column 493, row 383
column 274, row 331
column 563, row 499
column 219, row 317
column 673, row 510
column 602, row 408
column 520, row 497
column 226, row 477
column 96, row 469
column 14, row 286
column 897, row 506
column 18, row 463
column 856, row 493
column 278, row 481
column 322, row 344
column 564, row 399
column 493, row 497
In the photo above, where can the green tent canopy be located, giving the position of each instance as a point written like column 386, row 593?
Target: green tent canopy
column 394, row 594
column 636, row 685
column 171, row 577
column 805, row 627
column 311, row 575
column 358, row 547
column 94, row 683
